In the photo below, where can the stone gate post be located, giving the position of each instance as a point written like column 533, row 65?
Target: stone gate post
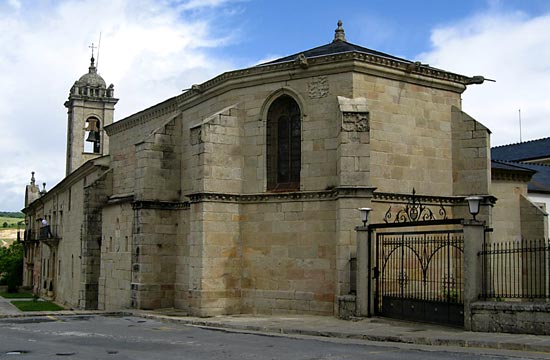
column 474, row 235
column 365, row 284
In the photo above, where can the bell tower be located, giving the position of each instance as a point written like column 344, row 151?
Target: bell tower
column 90, row 108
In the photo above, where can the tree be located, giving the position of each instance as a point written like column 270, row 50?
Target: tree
column 5, row 224
column 11, row 266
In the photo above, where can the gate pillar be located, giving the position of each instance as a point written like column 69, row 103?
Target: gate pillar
column 474, row 236
column 365, row 264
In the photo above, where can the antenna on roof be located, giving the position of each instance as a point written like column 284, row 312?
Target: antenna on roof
column 519, row 115
column 98, row 46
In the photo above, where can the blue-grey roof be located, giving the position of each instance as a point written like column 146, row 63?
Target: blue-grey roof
column 510, row 166
column 540, row 180
column 335, row 47
column 524, row 151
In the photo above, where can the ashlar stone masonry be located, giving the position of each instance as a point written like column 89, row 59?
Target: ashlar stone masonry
column 241, row 194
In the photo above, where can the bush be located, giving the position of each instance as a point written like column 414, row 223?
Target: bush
column 11, row 266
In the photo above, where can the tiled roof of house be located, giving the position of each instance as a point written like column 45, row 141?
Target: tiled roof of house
column 524, row 151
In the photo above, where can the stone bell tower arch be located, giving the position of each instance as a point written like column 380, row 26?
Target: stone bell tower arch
column 90, row 108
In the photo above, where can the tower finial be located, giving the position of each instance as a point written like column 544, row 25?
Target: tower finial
column 339, row 34
column 92, row 60
column 32, row 178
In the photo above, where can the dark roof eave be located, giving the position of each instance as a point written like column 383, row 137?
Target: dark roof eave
column 83, row 170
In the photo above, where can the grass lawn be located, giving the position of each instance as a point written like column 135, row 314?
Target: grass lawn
column 8, row 295
column 36, row 306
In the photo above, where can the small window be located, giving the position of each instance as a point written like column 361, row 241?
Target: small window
column 284, row 144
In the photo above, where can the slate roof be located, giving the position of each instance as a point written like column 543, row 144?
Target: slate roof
column 540, row 180
column 524, row 151
column 510, row 166
column 335, row 47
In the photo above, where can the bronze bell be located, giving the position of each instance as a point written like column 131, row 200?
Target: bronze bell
column 93, row 136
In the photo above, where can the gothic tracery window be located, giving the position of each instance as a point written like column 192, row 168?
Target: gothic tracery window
column 283, row 145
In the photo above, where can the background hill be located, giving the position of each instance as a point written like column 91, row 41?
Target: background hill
column 8, row 227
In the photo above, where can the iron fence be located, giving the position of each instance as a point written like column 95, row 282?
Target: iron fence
column 42, row 233
column 516, row 270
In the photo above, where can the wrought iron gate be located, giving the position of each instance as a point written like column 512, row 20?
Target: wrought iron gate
column 418, row 273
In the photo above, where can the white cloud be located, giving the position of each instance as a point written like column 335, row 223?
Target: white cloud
column 515, row 51
column 149, row 50
column 16, row 4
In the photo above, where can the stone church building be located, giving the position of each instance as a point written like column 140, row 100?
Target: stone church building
column 240, row 195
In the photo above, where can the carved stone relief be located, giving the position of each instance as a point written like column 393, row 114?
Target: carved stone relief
column 318, row 87
column 355, row 121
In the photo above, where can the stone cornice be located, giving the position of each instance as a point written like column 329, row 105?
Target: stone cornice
column 358, row 61
column 335, row 63
column 333, row 194
column 142, row 117
column 120, row 199
column 425, row 199
column 160, row 205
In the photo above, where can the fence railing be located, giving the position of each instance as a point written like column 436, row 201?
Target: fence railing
column 516, row 270
column 42, row 233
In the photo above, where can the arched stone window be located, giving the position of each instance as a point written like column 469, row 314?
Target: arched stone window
column 92, row 136
column 284, row 145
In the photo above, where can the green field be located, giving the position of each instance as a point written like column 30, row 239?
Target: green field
column 11, row 222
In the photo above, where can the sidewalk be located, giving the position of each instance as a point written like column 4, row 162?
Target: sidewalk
column 6, row 308
column 373, row 329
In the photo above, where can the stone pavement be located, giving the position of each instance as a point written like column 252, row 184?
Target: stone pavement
column 6, row 308
column 372, row 329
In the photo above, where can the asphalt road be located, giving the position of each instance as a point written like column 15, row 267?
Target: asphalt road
column 101, row 337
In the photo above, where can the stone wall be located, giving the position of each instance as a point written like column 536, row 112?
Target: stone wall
column 153, row 258
column 410, row 135
column 95, row 196
column 289, row 257
column 207, row 246
column 471, row 164
column 534, row 221
column 506, row 212
column 123, row 137
column 116, row 255
column 511, row 317
column 158, row 164
column 211, row 281
column 67, row 210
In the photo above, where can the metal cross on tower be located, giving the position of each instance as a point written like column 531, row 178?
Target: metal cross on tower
column 92, row 47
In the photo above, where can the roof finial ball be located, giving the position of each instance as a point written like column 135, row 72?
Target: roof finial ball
column 339, row 34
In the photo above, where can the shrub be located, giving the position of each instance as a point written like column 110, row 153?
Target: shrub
column 11, row 266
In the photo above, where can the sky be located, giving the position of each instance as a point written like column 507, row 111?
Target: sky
column 153, row 49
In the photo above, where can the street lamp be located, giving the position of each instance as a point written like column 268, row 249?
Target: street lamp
column 364, row 215
column 473, row 204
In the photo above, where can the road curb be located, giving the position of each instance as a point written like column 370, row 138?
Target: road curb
column 406, row 339
column 532, row 346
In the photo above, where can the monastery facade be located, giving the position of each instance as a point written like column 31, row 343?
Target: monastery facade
column 241, row 194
